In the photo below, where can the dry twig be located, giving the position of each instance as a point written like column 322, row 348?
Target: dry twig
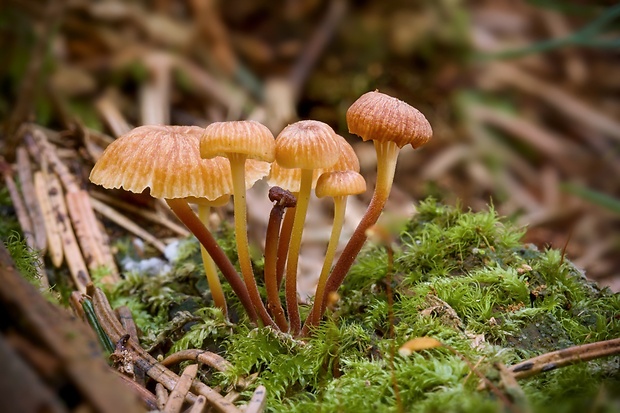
column 145, row 361
column 566, row 357
column 54, row 239
column 24, row 172
column 126, row 223
column 180, row 390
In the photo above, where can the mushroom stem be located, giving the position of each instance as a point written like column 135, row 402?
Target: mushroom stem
column 340, row 206
column 237, row 167
column 387, row 154
column 293, row 253
column 182, row 210
column 284, row 199
column 283, row 244
column 217, row 293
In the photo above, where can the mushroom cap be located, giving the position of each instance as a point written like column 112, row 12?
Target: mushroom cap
column 307, row 144
column 291, row 178
column 340, row 183
column 348, row 160
column 221, row 201
column 379, row 117
column 247, row 137
column 166, row 159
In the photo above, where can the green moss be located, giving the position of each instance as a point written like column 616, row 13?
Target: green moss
column 8, row 220
column 25, row 258
column 458, row 276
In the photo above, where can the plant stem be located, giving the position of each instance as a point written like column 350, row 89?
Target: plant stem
column 283, row 244
column 565, row 357
column 182, row 210
column 340, row 206
column 293, row 253
column 271, row 256
column 217, row 293
column 387, row 154
column 237, row 166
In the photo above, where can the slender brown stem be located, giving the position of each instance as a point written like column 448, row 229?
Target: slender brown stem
column 182, row 210
column 290, row 285
column 387, row 153
column 237, row 167
column 208, row 358
column 283, row 199
column 283, row 244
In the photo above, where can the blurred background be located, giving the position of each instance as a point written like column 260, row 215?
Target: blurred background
column 523, row 96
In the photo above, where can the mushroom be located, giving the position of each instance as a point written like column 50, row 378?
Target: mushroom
column 391, row 124
column 239, row 141
column 166, row 160
column 290, row 179
column 338, row 185
column 283, row 199
column 306, row 145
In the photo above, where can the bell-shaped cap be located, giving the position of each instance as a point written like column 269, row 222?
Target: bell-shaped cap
column 347, row 160
column 166, row 160
column 379, row 117
column 307, row 144
column 340, row 183
column 218, row 202
column 291, row 178
column 246, row 137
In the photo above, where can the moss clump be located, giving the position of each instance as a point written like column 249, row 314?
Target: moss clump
column 463, row 278
column 27, row 260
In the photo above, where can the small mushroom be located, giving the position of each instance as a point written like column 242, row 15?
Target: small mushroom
column 239, row 141
column 306, row 145
column 283, row 199
column 166, row 160
column 391, row 124
column 290, row 179
column 338, row 185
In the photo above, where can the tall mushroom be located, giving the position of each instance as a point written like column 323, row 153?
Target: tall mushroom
column 166, row 160
column 239, row 141
column 306, row 145
column 391, row 124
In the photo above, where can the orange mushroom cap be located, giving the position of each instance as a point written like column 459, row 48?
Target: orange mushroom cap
column 291, row 178
column 246, row 137
column 340, row 183
column 307, row 144
column 379, row 117
column 166, row 159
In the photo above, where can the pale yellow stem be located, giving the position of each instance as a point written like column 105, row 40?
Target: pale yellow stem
column 181, row 209
column 217, row 293
column 340, row 206
column 237, row 166
column 293, row 253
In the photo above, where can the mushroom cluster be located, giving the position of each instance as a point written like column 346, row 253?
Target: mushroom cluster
column 188, row 164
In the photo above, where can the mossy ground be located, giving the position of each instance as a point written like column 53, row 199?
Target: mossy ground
column 463, row 278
